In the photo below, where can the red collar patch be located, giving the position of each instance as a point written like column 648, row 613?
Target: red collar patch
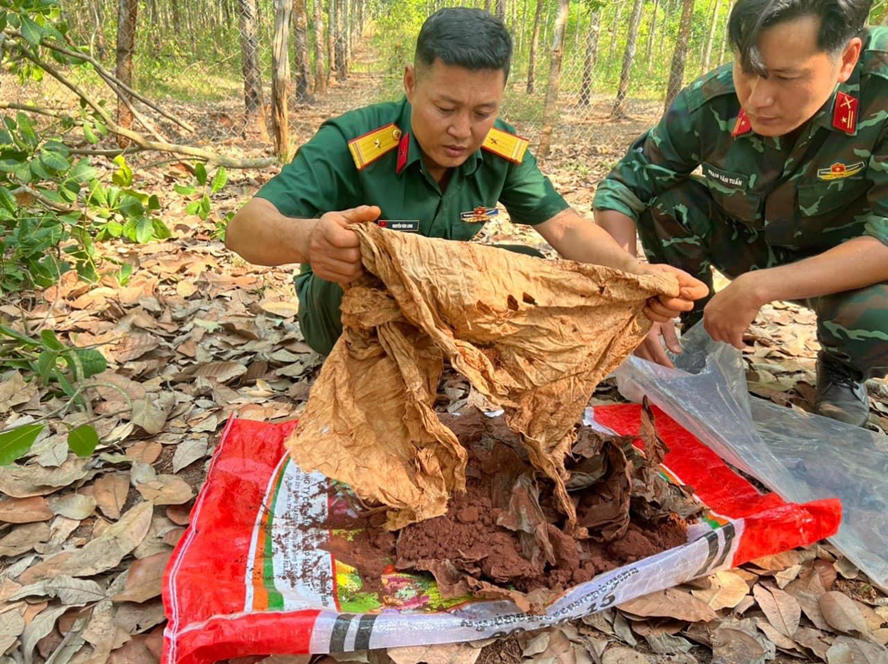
column 845, row 113
column 403, row 150
column 743, row 126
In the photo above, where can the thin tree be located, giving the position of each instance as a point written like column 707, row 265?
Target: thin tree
column 615, row 27
column 649, row 55
column 331, row 35
column 619, row 109
column 301, row 57
column 707, row 54
column 680, row 57
column 534, row 44
column 501, row 9
column 553, row 86
column 126, row 43
column 320, row 51
column 590, row 58
column 254, row 117
column 280, row 82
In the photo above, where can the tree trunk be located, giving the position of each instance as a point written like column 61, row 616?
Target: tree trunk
column 619, row 109
column 591, row 56
column 550, row 106
column 501, row 10
column 341, row 45
column 711, row 38
column 126, row 42
column 280, row 81
column 534, row 44
column 487, row 5
column 97, row 28
column 302, row 59
column 724, row 39
column 254, row 115
column 615, row 28
column 331, row 36
column 320, row 58
column 680, row 57
column 649, row 55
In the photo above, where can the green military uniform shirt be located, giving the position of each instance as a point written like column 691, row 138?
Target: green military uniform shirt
column 370, row 157
column 830, row 186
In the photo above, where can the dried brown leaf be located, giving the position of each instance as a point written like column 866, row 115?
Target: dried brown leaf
column 623, row 655
column 145, row 579
column 149, row 415
column 179, row 515
column 23, row 538
column 451, row 653
column 846, row 650
column 841, row 613
column 166, row 490
column 72, row 506
column 671, row 603
column 808, row 589
column 782, row 609
column 220, row 371
column 726, row 590
column 734, row 646
column 12, row 624
column 27, row 481
column 110, row 492
column 25, row 510
column 138, row 618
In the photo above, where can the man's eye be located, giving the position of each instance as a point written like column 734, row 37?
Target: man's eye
column 445, row 110
column 482, row 116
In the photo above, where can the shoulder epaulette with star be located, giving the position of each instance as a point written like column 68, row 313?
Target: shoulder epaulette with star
column 506, row 145
column 371, row 146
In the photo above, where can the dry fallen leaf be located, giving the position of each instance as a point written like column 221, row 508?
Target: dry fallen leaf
column 451, row 653
column 846, row 650
column 726, row 590
column 808, row 589
column 110, row 492
column 166, row 490
column 188, row 452
column 623, row 655
column 144, row 452
column 781, row 609
column 23, row 538
column 144, row 580
column 814, row 640
column 25, row 510
column 733, row 646
column 671, row 603
column 72, row 505
column 841, row 613
column 12, row 624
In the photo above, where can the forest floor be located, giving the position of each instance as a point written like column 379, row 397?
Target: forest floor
column 197, row 336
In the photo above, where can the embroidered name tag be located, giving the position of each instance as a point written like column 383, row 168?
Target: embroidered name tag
column 732, row 180
column 403, row 225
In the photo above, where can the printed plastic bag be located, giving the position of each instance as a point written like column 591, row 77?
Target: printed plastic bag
column 800, row 456
column 252, row 576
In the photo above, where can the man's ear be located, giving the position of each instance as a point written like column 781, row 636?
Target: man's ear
column 850, row 56
column 409, row 82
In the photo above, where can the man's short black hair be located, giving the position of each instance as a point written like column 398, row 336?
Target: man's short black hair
column 467, row 37
column 840, row 21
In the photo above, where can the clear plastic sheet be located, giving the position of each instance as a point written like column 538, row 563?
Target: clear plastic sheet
column 802, row 457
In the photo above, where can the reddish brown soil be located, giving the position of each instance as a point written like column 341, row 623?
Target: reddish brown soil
column 470, row 536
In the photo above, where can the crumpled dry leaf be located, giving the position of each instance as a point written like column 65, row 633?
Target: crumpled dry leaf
column 145, row 579
column 23, row 538
column 12, row 624
column 623, row 655
column 27, row 481
column 188, row 452
column 533, row 336
column 71, row 591
column 73, row 505
column 110, row 492
column 808, row 589
column 670, row 603
column 166, row 490
column 451, row 653
column 734, row 646
column 37, row 629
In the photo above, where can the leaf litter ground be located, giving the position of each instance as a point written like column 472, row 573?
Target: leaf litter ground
column 197, row 335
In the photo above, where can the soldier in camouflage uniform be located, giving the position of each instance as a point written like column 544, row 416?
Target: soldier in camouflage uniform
column 791, row 196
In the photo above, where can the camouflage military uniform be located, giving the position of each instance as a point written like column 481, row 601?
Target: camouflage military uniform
column 760, row 202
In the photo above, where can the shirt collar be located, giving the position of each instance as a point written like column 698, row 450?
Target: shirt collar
column 414, row 154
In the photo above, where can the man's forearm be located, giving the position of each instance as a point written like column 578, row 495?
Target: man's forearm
column 620, row 227
column 261, row 235
column 854, row 264
column 578, row 239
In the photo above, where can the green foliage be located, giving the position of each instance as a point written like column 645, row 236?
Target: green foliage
column 54, row 205
column 200, row 193
column 83, row 440
column 16, row 442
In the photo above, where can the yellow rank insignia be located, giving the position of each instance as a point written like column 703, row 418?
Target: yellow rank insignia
column 506, row 145
column 838, row 171
column 371, row 146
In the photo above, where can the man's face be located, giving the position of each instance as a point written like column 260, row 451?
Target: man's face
column 453, row 109
column 800, row 78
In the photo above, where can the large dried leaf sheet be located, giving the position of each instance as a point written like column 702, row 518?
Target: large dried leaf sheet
column 532, row 335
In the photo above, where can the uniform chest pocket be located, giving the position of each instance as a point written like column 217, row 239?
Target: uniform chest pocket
column 730, row 193
column 823, row 197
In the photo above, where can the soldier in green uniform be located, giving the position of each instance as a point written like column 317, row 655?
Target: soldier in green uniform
column 791, row 199
column 436, row 163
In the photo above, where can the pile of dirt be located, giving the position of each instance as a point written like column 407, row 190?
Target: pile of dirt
column 505, row 536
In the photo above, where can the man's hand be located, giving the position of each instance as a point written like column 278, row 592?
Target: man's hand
column 731, row 311
column 333, row 250
column 651, row 348
column 664, row 308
